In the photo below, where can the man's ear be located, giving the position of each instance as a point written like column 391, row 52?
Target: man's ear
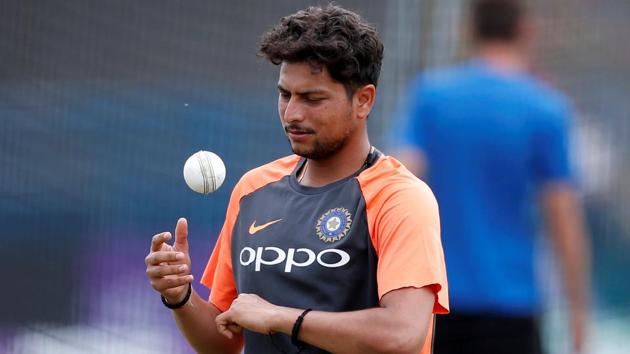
column 363, row 100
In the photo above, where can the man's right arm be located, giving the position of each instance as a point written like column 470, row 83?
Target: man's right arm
column 168, row 270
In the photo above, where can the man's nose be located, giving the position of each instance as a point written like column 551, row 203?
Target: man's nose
column 294, row 111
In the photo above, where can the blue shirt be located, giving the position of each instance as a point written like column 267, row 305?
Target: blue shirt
column 491, row 140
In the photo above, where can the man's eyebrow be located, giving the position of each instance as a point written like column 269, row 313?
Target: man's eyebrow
column 303, row 93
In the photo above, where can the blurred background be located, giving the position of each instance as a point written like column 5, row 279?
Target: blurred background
column 101, row 102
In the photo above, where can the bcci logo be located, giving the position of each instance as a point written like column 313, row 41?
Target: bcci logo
column 333, row 225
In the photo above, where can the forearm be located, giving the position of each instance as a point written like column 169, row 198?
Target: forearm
column 196, row 322
column 566, row 224
column 373, row 330
column 570, row 241
column 575, row 261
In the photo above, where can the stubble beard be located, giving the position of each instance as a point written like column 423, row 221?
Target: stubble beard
column 325, row 149
column 322, row 150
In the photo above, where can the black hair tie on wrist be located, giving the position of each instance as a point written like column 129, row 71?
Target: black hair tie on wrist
column 181, row 303
column 296, row 329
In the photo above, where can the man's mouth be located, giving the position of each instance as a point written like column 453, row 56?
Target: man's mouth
column 297, row 131
column 298, row 134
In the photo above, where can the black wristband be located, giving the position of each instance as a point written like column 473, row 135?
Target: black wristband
column 296, row 329
column 181, row 303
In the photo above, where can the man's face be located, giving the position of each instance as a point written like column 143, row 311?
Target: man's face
column 315, row 111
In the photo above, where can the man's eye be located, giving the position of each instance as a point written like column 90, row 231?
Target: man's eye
column 285, row 95
column 314, row 99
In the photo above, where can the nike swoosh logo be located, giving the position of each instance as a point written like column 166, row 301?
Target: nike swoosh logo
column 254, row 229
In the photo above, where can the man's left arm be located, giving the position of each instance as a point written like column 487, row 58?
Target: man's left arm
column 563, row 215
column 399, row 325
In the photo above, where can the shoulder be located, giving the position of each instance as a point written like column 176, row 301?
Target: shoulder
column 549, row 100
column 442, row 79
column 388, row 183
column 448, row 74
column 263, row 175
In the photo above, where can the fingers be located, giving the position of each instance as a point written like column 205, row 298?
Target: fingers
column 234, row 328
column 158, row 240
column 165, row 283
column 165, row 270
column 181, row 235
column 222, row 325
column 223, row 329
column 168, row 267
column 226, row 326
column 155, row 258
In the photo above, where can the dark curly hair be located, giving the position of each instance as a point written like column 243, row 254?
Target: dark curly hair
column 333, row 37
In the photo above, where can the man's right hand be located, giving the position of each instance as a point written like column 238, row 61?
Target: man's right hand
column 168, row 267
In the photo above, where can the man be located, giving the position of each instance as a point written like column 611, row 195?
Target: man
column 491, row 140
column 338, row 228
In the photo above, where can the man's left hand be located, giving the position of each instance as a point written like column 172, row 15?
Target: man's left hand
column 248, row 311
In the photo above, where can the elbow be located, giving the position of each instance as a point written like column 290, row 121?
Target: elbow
column 405, row 346
column 403, row 342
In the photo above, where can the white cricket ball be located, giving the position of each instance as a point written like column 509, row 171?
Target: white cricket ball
column 204, row 172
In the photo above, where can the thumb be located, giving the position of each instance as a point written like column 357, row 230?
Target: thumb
column 181, row 235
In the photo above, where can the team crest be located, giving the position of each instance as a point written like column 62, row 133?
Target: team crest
column 333, row 225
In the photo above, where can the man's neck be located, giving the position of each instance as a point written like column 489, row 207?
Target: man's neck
column 505, row 58
column 345, row 162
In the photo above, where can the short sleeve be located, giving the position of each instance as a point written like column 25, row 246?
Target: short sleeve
column 218, row 275
column 406, row 235
column 551, row 160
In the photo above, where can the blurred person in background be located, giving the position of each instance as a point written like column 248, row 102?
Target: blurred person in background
column 338, row 227
column 492, row 142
